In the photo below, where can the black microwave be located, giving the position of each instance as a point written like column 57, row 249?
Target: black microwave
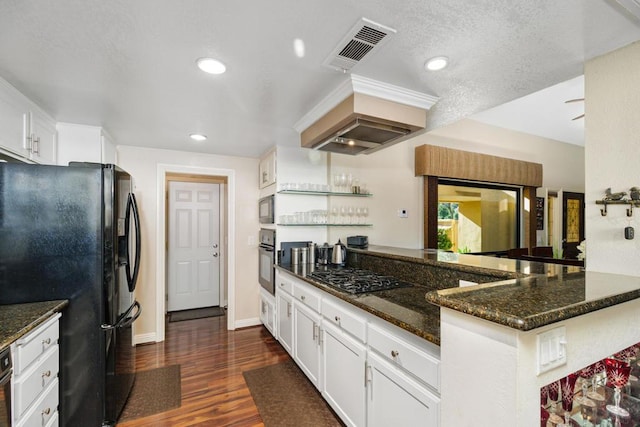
column 266, row 209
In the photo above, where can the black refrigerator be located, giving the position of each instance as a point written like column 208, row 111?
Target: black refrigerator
column 73, row 232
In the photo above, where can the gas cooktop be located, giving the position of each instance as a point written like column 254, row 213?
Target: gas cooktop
column 357, row 281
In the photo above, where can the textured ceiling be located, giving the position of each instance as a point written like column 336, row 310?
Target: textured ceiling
column 130, row 65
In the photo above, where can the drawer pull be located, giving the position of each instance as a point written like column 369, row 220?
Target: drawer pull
column 46, row 342
column 394, row 353
column 46, row 374
column 337, row 319
column 302, row 298
column 46, row 411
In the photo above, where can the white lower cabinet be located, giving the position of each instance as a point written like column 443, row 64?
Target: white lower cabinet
column 370, row 372
column 284, row 307
column 268, row 311
column 394, row 399
column 35, row 376
column 344, row 365
column 306, row 342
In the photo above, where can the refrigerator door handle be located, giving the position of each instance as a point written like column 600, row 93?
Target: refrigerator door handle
column 125, row 319
column 132, row 206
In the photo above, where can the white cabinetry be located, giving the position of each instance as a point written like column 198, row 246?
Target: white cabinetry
column 394, row 399
column 306, row 330
column 80, row 143
column 268, row 311
column 284, row 307
column 25, row 130
column 267, row 169
column 344, row 365
column 371, row 372
column 35, row 376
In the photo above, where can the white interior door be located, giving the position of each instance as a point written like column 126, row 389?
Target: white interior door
column 194, row 245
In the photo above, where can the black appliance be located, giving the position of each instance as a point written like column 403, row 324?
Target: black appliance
column 361, row 242
column 5, row 388
column 73, row 232
column 266, row 209
column 357, row 281
column 266, row 260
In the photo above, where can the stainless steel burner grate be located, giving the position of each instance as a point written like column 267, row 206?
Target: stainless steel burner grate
column 357, row 281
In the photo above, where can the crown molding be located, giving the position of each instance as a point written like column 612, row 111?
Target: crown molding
column 364, row 85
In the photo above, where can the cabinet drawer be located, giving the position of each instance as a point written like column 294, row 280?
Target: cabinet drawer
column 304, row 294
column 284, row 285
column 406, row 355
column 344, row 318
column 34, row 380
column 45, row 408
column 34, row 344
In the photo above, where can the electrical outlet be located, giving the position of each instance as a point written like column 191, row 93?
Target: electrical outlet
column 403, row 213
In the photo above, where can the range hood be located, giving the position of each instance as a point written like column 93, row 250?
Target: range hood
column 367, row 119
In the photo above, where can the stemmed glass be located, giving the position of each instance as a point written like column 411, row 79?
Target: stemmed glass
column 617, row 376
column 334, row 215
column 568, row 384
column 351, row 212
column 358, row 215
column 343, row 214
column 365, row 214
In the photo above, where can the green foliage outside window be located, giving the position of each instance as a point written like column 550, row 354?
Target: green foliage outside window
column 444, row 242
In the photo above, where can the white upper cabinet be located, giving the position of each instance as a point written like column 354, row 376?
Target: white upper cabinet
column 25, row 129
column 81, row 143
column 267, row 170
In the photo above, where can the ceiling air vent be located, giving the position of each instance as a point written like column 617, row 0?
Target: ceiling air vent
column 364, row 38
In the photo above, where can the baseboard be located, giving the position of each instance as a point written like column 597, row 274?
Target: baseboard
column 244, row 323
column 145, row 338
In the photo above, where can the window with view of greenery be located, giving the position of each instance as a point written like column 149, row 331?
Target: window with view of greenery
column 475, row 217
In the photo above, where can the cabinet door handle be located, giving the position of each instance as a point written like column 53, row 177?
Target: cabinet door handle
column 315, row 333
column 215, row 254
column 337, row 318
column 395, row 354
column 46, row 411
column 288, row 309
column 35, row 144
column 46, row 342
column 302, row 298
column 46, row 374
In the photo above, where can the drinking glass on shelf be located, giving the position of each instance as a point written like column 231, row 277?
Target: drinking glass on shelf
column 358, row 215
column 334, row 215
column 336, row 182
column 351, row 212
column 343, row 214
column 567, row 385
column 617, row 377
column 365, row 214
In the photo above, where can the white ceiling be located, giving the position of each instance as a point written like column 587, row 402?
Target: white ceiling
column 544, row 113
column 130, row 65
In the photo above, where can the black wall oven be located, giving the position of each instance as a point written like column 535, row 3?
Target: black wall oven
column 5, row 388
column 267, row 260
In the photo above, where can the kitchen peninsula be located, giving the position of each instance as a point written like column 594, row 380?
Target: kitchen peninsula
column 486, row 335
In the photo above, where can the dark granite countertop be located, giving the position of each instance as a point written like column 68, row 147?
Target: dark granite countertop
column 403, row 307
column 532, row 302
column 16, row 320
column 523, row 295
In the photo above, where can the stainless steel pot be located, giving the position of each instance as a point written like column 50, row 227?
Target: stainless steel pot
column 324, row 254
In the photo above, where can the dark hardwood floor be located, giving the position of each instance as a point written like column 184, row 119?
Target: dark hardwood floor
column 212, row 360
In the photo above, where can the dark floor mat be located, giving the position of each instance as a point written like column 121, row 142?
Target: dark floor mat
column 196, row 313
column 286, row 398
column 155, row 390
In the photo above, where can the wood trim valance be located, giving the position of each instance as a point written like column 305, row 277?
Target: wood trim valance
column 431, row 160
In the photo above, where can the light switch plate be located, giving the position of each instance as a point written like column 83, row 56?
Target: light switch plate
column 552, row 349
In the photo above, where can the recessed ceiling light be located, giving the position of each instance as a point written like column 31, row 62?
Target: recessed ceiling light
column 298, row 47
column 211, row 66
column 198, row 137
column 436, row 63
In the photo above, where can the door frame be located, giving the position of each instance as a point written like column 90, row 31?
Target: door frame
column 161, row 238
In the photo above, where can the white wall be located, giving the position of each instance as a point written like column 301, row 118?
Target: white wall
column 389, row 174
column 142, row 164
column 612, row 157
